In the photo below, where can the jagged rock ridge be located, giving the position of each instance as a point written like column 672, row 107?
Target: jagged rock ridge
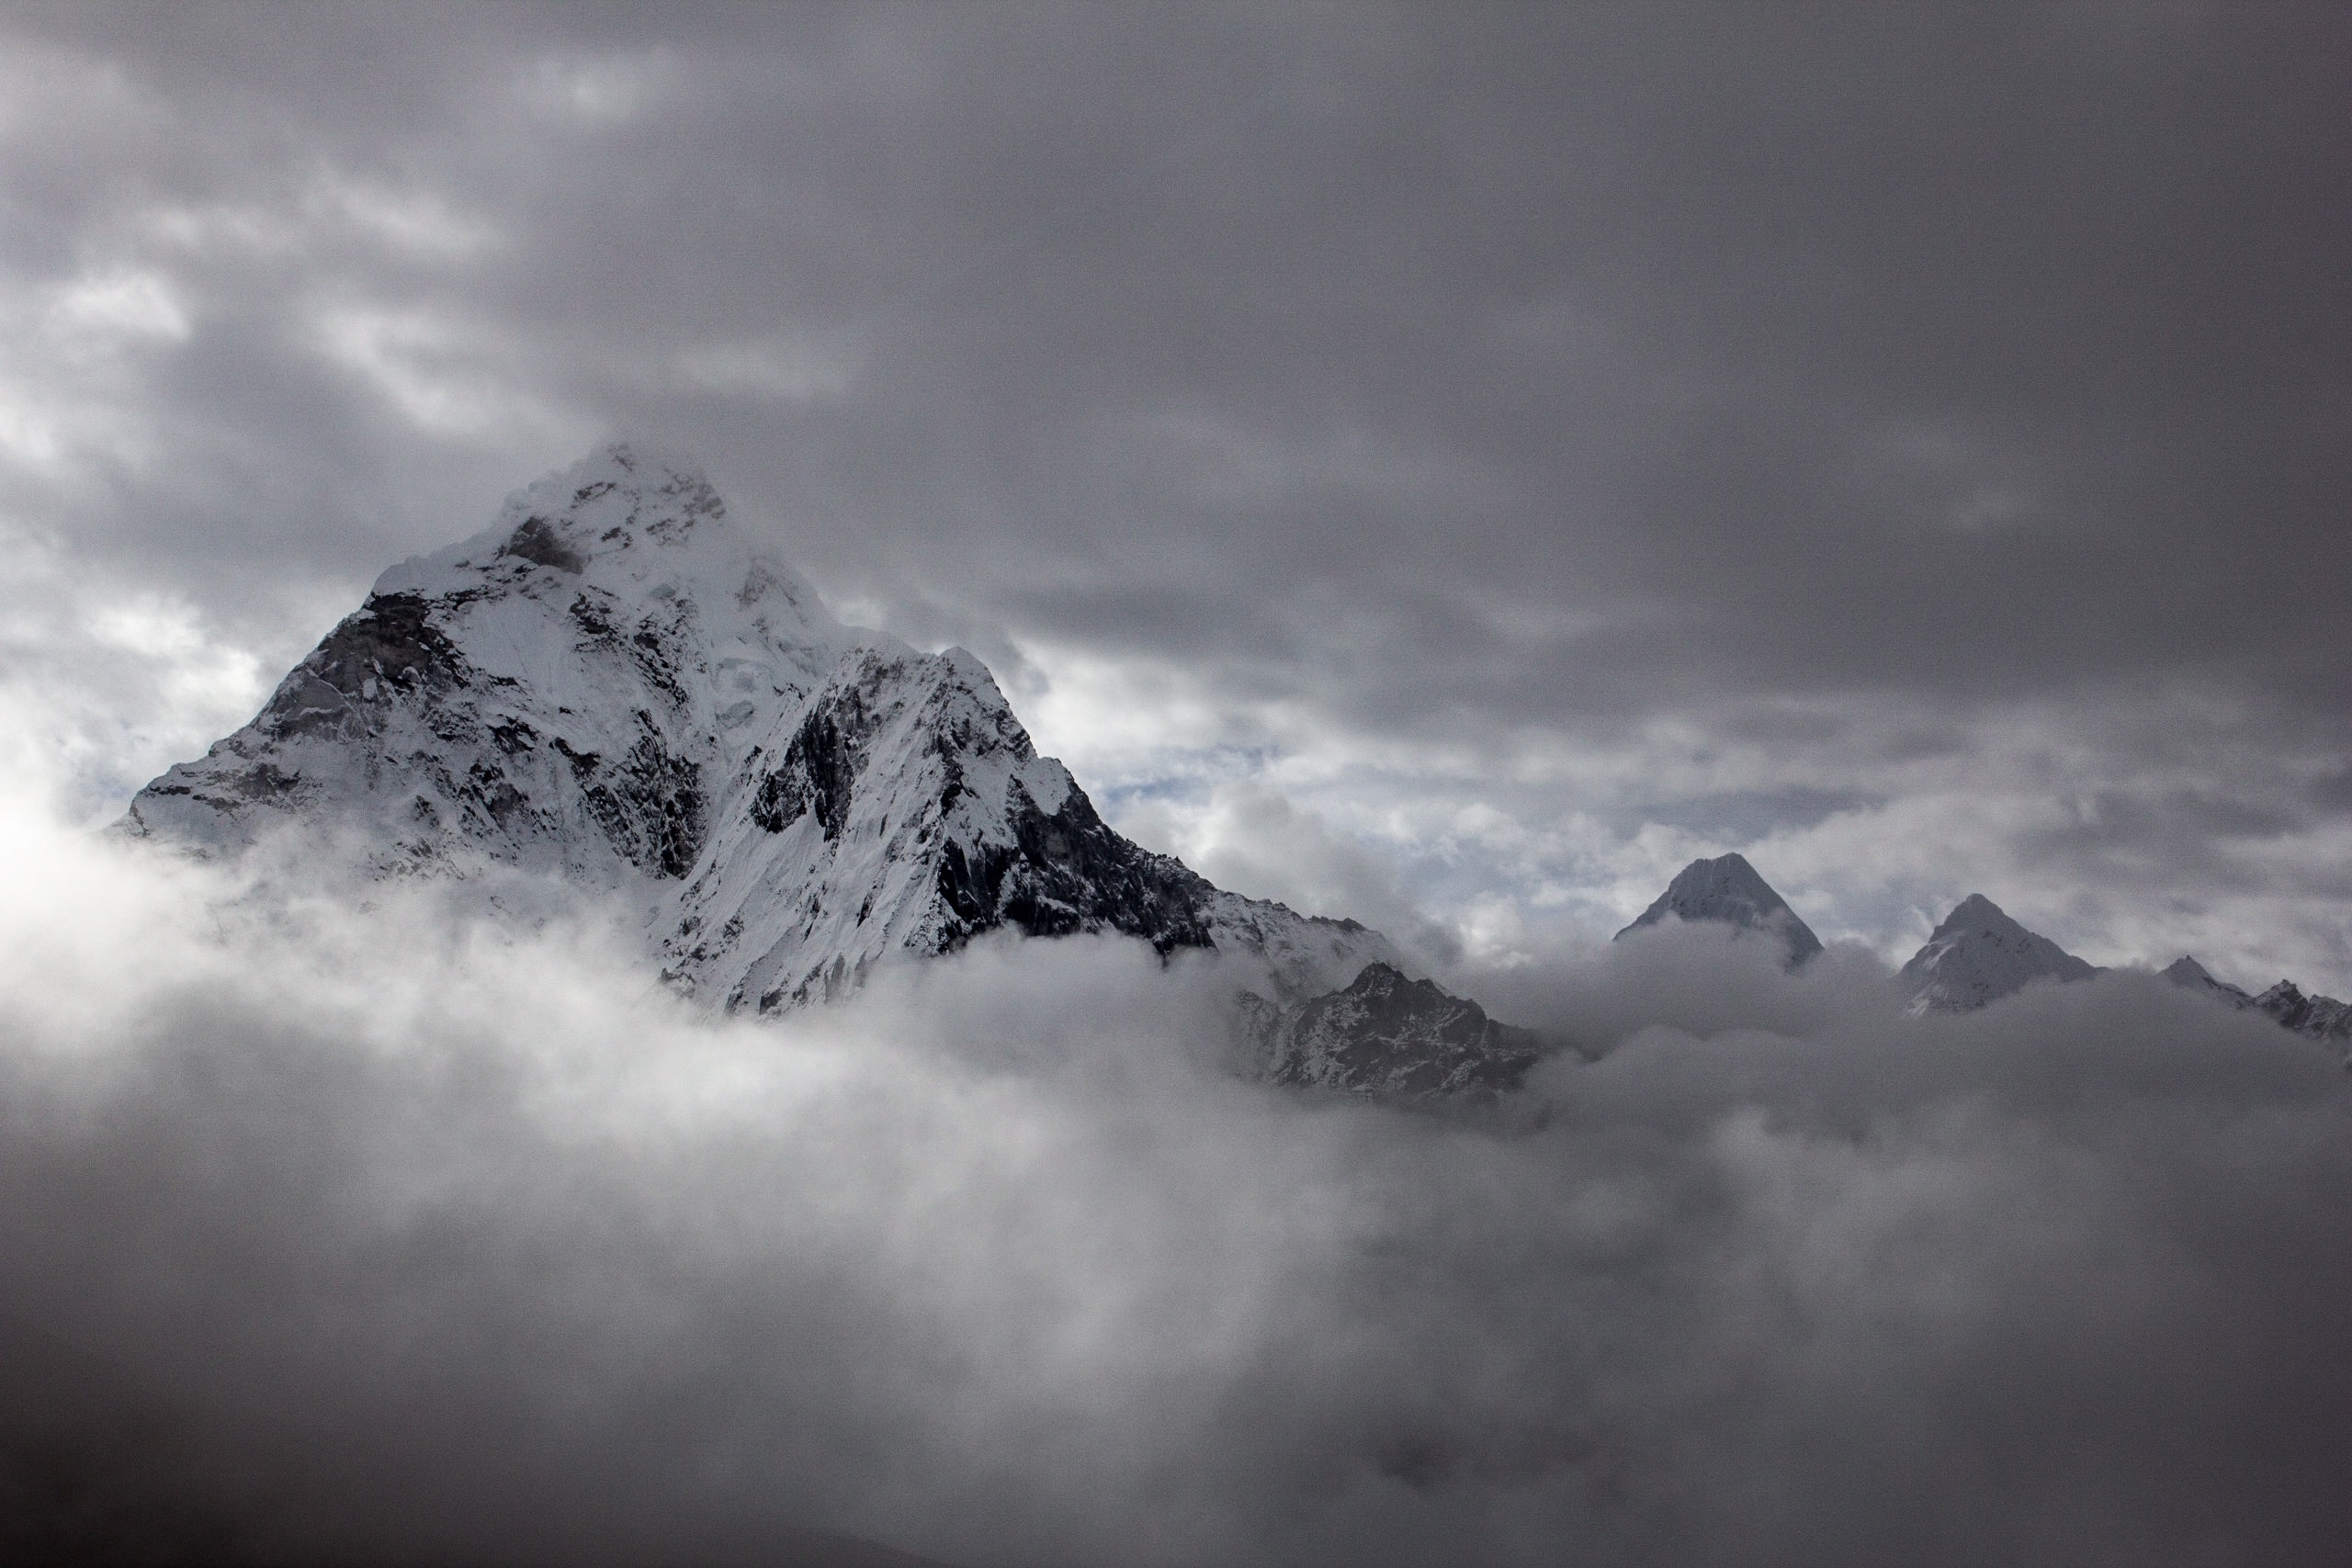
column 1728, row 890
column 1390, row 1036
column 2323, row 1018
column 1978, row 955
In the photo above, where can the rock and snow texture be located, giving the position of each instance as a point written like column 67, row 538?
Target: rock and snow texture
column 560, row 693
column 1396, row 1038
column 1979, row 955
column 1727, row 889
column 611, row 687
column 2323, row 1018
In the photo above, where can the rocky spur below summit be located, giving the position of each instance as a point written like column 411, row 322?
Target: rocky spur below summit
column 1388, row 1035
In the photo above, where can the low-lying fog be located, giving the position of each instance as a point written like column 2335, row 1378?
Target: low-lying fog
column 365, row 1234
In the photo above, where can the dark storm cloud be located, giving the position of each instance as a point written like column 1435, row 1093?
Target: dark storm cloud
column 1770, row 402
column 1952, row 350
column 353, row 1238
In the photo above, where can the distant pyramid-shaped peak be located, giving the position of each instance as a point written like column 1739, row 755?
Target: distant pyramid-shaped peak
column 1979, row 954
column 1727, row 890
column 2189, row 974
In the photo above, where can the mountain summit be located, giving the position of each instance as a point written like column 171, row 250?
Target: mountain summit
column 1728, row 890
column 610, row 685
column 1979, row 955
column 2191, row 975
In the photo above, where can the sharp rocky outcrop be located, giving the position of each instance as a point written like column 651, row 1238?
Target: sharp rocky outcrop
column 1727, row 890
column 612, row 689
column 1979, row 955
column 1388, row 1035
column 2322, row 1019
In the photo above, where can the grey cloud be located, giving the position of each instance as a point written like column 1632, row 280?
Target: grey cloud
column 1744, row 816
column 1836, row 279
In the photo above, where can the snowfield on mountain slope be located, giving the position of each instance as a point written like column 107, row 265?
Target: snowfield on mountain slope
column 1979, row 954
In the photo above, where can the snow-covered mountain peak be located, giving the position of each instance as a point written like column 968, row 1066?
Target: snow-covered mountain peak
column 557, row 692
column 2189, row 974
column 1978, row 955
column 611, row 684
column 1730, row 891
column 630, row 526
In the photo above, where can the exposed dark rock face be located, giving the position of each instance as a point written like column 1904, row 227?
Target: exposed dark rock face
column 1392, row 1037
column 651, row 805
column 913, row 810
column 1068, row 871
column 538, row 542
column 2322, row 1018
column 818, row 771
column 389, row 645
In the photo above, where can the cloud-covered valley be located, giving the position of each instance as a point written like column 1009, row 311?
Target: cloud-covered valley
column 375, row 1235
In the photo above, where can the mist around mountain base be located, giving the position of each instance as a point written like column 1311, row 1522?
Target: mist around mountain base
column 384, row 1235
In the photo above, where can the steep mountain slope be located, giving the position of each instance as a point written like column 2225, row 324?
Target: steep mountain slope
column 610, row 685
column 1979, row 955
column 1727, row 889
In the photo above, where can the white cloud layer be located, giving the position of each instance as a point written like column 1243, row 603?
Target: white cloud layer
column 365, row 1234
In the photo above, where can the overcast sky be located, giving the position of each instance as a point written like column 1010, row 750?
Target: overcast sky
column 1441, row 464
column 1447, row 465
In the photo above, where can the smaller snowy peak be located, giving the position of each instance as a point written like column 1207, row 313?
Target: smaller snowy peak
column 1978, row 955
column 2191, row 975
column 1389, row 1036
column 1729, row 891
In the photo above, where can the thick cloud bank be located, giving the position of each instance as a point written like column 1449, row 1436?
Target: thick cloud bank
column 362, row 1235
